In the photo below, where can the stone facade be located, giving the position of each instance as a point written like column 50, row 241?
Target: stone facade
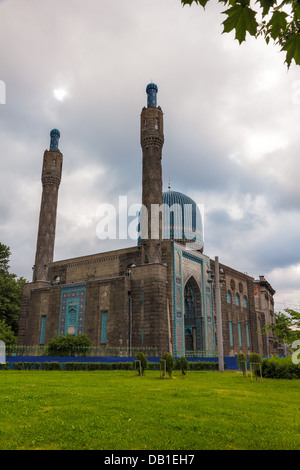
column 51, row 177
column 157, row 294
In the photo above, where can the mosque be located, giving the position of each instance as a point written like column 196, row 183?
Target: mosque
column 157, row 294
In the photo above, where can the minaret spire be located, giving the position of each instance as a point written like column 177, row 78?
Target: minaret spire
column 51, row 177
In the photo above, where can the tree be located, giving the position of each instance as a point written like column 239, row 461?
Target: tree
column 11, row 290
column 7, row 335
column 170, row 362
column 144, row 362
column 286, row 327
column 281, row 22
column 182, row 364
column 4, row 259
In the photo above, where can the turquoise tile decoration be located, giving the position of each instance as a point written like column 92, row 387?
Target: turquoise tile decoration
column 72, row 309
column 54, row 139
column 152, row 91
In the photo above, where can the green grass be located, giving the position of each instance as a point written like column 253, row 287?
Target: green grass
column 119, row 410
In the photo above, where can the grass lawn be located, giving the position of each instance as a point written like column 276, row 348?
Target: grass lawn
column 117, row 410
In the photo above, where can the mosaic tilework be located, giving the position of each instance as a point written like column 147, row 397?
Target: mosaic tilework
column 189, row 280
column 72, row 307
column 151, row 91
column 54, row 139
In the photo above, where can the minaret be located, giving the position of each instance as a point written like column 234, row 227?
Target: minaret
column 152, row 140
column 51, row 176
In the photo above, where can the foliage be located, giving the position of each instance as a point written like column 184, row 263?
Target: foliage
column 69, row 345
column 255, row 358
column 11, row 290
column 182, row 364
column 170, row 362
column 4, row 259
column 255, row 363
column 144, row 362
column 286, row 328
column 7, row 335
column 202, row 365
column 242, row 362
column 280, row 368
column 279, row 22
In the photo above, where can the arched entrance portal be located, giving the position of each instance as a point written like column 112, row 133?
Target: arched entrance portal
column 193, row 317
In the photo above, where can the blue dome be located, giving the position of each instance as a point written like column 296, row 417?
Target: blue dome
column 181, row 220
column 184, row 222
column 151, row 86
column 55, row 132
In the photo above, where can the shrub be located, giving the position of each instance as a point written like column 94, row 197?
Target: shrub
column 280, row 368
column 170, row 362
column 201, row 365
column 242, row 362
column 69, row 345
column 144, row 362
column 255, row 362
column 182, row 364
column 27, row 365
column 255, row 358
column 75, row 366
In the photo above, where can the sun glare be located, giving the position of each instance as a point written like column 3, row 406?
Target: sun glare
column 59, row 94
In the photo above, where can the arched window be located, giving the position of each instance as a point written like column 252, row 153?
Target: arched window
column 156, row 123
column 228, row 297
column 192, row 316
column 237, row 299
column 245, row 301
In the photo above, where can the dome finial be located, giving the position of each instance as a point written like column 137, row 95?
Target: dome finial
column 169, row 185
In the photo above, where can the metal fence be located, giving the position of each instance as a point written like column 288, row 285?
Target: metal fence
column 94, row 351
column 201, row 354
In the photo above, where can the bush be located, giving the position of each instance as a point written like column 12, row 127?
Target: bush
column 280, row 368
column 204, row 365
column 69, row 345
column 18, row 365
column 144, row 362
column 170, row 362
column 242, row 362
column 255, row 358
column 182, row 364
column 255, row 362
column 75, row 366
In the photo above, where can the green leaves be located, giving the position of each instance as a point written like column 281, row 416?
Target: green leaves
column 282, row 23
column 242, row 19
column 292, row 48
column 199, row 2
column 277, row 24
column 266, row 5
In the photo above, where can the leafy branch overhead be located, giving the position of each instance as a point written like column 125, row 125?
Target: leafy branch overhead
column 280, row 22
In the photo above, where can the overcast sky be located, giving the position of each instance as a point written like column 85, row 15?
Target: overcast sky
column 231, row 125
